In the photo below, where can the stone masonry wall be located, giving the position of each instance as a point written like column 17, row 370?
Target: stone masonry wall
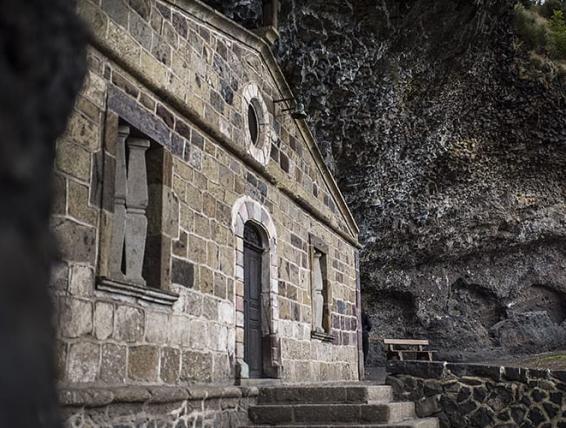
column 467, row 395
column 177, row 80
column 178, row 407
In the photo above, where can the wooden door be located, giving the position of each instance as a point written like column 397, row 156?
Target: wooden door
column 253, row 254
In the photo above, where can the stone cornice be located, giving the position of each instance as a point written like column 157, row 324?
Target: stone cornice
column 97, row 396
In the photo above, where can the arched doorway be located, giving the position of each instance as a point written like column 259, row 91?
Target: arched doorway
column 253, row 279
column 255, row 238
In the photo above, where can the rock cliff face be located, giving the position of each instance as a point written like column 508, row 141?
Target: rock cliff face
column 448, row 142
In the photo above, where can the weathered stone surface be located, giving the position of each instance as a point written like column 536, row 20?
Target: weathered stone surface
column 81, row 280
column 78, row 203
column 113, row 364
column 155, row 328
column 143, row 362
column 103, row 320
column 127, row 108
column 77, row 242
column 152, row 405
column 486, row 402
column 529, row 332
column 59, row 204
column 182, row 272
column 82, row 131
column 142, row 7
column 170, row 365
column 196, row 366
column 73, row 159
column 76, row 317
column 59, row 277
column 83, row 362
column 128, row 324
column 427, row 406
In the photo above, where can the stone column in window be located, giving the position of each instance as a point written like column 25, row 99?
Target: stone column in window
column 317, row 289
column 119, row 215
column 136, row 205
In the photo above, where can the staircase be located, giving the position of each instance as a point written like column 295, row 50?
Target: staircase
column 351, row 405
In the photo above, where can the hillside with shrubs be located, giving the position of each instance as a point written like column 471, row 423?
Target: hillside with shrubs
column 541, row 28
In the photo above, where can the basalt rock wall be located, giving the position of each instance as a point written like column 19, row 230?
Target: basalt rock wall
column 448, row 143
column 478, row 396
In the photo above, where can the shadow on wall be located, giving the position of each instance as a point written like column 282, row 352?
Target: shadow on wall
column 382, row 309
column 478, row 325
column 42, row 64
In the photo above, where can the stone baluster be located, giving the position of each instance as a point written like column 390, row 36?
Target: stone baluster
column 119, row 215
column 317, row 288
column 136, row 204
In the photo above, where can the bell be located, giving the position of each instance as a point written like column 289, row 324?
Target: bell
column 299, row 111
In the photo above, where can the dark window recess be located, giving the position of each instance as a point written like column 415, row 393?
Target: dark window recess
column 136, row 193
column 253, row 124
column 252, row 236
column 154, row 264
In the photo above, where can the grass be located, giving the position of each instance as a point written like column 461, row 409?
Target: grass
column 553, row 361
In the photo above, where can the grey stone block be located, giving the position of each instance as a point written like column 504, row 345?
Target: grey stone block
column 196, row 366
column 182, row 272
column 128, row 324
column 77, row 242
column 328, row 413
column 142, row 7
column 271, row 414
column 76, row 317
column 170, row 365
column 143, row 362
column 113, row 364
column 141, row 30
column 117, row 11
column 83, row 360
column 138, row 116
column 427, row 406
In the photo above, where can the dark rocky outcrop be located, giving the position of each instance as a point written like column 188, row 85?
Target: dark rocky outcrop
column 448, row 142
column 249, row 13
column 42, row 64
column 478, row 396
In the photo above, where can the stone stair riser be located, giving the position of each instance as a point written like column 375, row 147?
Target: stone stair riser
column 417, row 423
column 322, row 395
column 337, row 413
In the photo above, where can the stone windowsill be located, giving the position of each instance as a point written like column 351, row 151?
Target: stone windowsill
column 322, row 336
column 148, row 294
column 96, row 396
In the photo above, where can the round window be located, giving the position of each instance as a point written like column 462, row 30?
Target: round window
column 253, row 124
column 256, row 127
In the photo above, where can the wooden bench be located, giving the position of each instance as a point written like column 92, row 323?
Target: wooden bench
column 407, row 349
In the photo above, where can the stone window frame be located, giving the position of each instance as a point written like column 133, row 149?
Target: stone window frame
column 123, row 111
column 260, row 151
column 245, row 210
column 318, row 245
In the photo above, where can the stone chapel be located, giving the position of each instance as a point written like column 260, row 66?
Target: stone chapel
column 205, row 245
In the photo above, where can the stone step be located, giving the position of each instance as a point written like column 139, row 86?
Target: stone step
column 325, row 394
column 413, row 423
column 331, row 413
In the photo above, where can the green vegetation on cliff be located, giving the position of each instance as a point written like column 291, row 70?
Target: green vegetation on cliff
column 542, row 27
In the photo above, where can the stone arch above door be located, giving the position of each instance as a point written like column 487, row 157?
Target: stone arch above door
column 246, row 210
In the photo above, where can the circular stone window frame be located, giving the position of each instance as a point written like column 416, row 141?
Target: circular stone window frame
column 260, row 150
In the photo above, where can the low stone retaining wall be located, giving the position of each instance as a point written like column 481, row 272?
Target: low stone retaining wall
column 472, row 395
column 159, row 406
